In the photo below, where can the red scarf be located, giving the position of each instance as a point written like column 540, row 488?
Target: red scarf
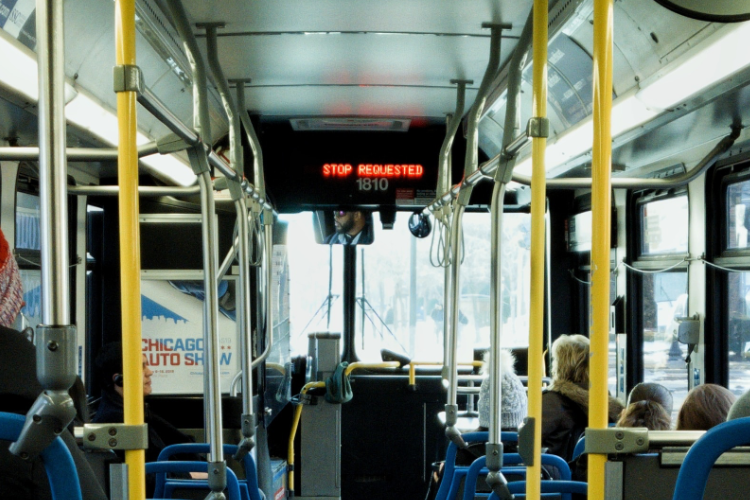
column 11, row 289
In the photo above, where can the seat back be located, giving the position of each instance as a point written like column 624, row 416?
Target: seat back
column 447, row 488
column 579, row 449
column 248, row 464
column 509, row 461
column 162, row 468
column 693, row 475
column 58, row 462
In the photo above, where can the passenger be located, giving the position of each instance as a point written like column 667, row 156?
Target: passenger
column 645, row 413
column 706, row 406
column 514, row 403
column 19, row 388
column 565, row 404
column 650, row 391
column 350, row 228
column 160, row 432
column 740, row 408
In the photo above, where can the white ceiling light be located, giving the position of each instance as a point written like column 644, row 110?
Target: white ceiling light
column 19, row 73
column 172, row 167
column 19, row 70
column 627, row 113
column 722, row 54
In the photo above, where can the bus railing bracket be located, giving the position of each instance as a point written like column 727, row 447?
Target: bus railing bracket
column 127, row 78
column 115, row 437
column 53, row 410
column 616, row 440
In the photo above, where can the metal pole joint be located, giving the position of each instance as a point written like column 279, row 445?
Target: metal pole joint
column 127, row 78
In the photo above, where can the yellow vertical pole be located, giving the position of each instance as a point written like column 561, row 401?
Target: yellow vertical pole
column 130, row 258
column 600, row 237
column 538, row 238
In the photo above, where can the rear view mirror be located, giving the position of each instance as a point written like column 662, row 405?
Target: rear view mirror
column 343, row 227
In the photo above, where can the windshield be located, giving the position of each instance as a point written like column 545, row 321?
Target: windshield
column 399, row 291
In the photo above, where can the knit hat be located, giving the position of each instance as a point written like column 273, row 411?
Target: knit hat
column 740, row 408
column 513, row 403
column 11, row 289
column 650, row 391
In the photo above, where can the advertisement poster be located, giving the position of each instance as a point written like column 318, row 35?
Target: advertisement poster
column 172, row 322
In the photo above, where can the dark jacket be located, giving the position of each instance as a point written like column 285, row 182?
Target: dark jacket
column 160, row 432
column 19, row 388
column 565, row 413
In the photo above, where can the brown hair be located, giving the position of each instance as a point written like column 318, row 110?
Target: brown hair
column 705, row 407
column 570, row 359
column 645, row 413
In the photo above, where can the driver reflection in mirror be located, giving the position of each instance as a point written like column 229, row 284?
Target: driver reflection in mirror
column 350, row 228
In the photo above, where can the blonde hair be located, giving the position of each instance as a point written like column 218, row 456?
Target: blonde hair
column 570, row 359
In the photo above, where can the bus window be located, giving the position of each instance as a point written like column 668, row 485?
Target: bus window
column 737, row 219
column 402, row 306
column 738, row 215
column 664, row 295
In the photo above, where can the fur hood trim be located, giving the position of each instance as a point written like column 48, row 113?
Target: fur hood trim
column 580, row 396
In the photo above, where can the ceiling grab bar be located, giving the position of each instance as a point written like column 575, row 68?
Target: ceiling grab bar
column 470, row 164
column 55, row 352
column 200, row 162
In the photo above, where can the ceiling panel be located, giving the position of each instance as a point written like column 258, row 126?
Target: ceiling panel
column 407, row 102
column 432, row 16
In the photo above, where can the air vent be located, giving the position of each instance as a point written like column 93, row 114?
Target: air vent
column 350, row 124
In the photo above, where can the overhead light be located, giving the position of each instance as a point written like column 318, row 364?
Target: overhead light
column 628, row 112
column 19, row 68
column 90, row 114
column 722, row 54
column 172, row 167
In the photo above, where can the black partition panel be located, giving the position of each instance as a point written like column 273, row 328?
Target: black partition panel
column 645, row 478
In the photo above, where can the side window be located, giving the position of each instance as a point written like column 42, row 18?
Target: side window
column 736, row 254
column 28, row 246
column 662, row 279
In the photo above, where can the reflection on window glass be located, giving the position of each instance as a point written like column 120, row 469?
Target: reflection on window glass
column 313, row 306
column 665, row 226
column 27, row 222
column 738, row 214
column 665, row 298
column 406, row 291
column 738, row 340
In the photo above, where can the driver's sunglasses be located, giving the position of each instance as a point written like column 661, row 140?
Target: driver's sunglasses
column 339, row 213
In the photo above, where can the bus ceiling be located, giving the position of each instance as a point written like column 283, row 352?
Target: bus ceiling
column 347, row 68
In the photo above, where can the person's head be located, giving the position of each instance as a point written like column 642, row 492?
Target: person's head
column 109, row 363
column 705, row 407
column 650, row 391
column 11, row 289
column 350, row 223
column 570, row 359
column 645, row 413
column 513, row 401
column 740, row 408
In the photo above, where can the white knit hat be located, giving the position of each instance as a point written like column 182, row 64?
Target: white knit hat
column 514, row 402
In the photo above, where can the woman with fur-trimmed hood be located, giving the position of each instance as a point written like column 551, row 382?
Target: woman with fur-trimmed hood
column 565, row 403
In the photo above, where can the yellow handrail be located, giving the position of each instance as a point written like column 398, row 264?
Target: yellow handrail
column 130, row 248
column 413, row 365
column 538, row 209
column 600, row 235
column 293, row 434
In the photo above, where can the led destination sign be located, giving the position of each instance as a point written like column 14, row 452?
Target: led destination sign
column 409, row 171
